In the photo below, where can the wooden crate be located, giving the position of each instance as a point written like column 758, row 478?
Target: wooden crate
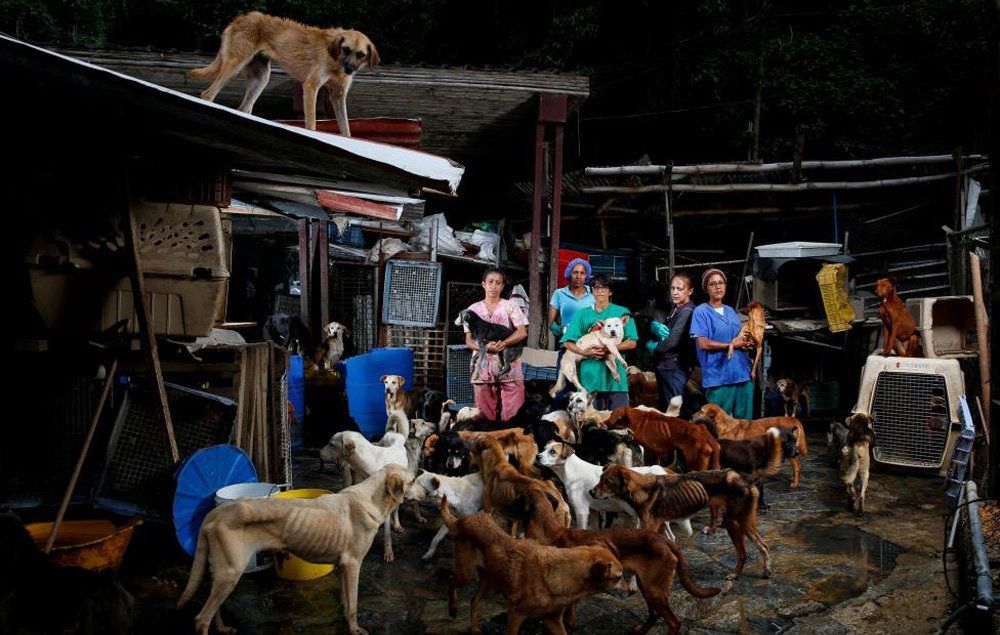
column 428, row 346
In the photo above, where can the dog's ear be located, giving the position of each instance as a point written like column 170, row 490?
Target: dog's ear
column 395, row 487
column 382, row 378
column 599, row 572
column 435, row 483
column 373, row 58
column 402, row 380
column 336, row 47
column 625, row 319
column 567, row 451
column 349, row 446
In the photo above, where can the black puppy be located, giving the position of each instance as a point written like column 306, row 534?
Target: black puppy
column 483, row 332
column 450, row 455
column 603, row 447
column 37, row 596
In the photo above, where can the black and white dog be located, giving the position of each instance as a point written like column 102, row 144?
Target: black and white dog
column 849, row 446
column 483, row 332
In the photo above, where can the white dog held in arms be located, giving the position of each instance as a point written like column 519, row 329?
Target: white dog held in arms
column 608, row 333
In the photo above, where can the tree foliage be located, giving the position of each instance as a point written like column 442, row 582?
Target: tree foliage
column 856, row 77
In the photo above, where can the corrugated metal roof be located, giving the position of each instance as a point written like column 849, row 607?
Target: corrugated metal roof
column 146, row 111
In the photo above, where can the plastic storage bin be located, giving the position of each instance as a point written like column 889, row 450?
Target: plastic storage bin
column 798, row 249
column 365, row 391
column 832, row 280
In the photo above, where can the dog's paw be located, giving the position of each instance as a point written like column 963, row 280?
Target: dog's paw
column 357, row 630
column 396, row 527
column 427, row 556
column 766, row 574
column 389, row 556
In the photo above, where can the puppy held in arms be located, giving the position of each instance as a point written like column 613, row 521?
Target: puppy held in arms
column 484, row 332
column 313, row 57
column 608, row 333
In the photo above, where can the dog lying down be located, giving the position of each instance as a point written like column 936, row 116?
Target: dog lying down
column 332, row 529
column 37, row 596
column 609, row 333
column 483, row 332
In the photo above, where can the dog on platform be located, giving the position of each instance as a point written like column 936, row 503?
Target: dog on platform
column 311, row 56
column 333, row 344
column 899, row 330
column 850, row 444
column 335, row 529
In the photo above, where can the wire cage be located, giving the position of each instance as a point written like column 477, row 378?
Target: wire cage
column 138, row 474
column 428, row 352
column 352, row 301
column 411, row 294
column 459, row 386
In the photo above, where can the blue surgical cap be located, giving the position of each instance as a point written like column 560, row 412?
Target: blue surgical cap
column 574, row 262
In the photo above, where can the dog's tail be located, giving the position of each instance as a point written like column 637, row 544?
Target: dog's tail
column 399, row 423
column 774, row 456
column 197, row 568
column 800, row 440
column 208, row 72
column 450, row 521
column 686, row 581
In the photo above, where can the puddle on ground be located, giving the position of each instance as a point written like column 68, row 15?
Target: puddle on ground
column 851, row 560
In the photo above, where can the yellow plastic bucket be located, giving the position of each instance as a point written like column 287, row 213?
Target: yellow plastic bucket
column 289, row 566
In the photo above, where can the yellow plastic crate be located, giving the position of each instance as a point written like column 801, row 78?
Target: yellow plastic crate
column 832, row 280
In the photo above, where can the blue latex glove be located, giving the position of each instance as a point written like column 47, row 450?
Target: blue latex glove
column 659, row 329
column 556, row 329
column 651, row 346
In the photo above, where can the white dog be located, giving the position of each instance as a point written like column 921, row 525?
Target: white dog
column 579, row 477
column 465, row 496
column 609, row 333
column 333, row 344
column 363, row 458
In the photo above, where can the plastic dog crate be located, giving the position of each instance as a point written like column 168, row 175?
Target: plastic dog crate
column 946, row 325
column 411, row 293
column 915, row 405
column 459, row 386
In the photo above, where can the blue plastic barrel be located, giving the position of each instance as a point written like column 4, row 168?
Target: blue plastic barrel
column 365, row 391
column 297, row 395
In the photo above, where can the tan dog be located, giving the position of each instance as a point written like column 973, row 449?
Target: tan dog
column 608, row 333
column 314, row 57
column 538, row 582
column 752, row 329
column 899, row 331
column 335, row 529
column 396, row 398
column 722, row 426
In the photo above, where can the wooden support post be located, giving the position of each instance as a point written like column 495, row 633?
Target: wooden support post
column 534, row 281
column 146, row 336
column 323, row 266
column 304, row 273
column 554, row 272
column 982, row 333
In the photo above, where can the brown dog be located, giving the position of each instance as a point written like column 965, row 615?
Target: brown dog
column 658, row 499
column 314, row 57
column 662, row 435
column 538, row 581
column 652, row 557
column 503, row 484
column 850, row 445
column 722, row 426
column 752, row 329
column 899, row 331
column 335, row 529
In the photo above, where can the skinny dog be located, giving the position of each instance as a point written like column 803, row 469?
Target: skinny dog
column 336, row 528
column 312, row 56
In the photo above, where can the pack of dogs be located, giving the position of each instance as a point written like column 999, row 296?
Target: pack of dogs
column 557, row 506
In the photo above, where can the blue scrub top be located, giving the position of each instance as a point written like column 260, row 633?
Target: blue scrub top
column 716, row 368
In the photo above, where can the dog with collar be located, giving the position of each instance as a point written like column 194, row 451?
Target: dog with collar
column 311, row 56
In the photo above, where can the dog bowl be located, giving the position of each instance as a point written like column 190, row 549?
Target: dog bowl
column 289, row 566
column 90, row 544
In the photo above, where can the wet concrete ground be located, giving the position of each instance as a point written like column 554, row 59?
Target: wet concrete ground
column 832, row 572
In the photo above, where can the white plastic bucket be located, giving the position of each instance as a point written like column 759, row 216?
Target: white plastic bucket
column 231, row 493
